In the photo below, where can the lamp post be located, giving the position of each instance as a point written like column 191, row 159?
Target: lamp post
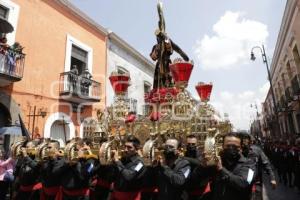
column 265, row 60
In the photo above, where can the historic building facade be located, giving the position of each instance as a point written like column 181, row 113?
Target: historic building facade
column 57, row 83
column 285, row 73
column 123, row 58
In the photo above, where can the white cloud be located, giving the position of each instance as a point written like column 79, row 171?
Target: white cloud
column 231, row 42
column 265, row 88
column 246, row 95
column 227, row 96
column 237, row 105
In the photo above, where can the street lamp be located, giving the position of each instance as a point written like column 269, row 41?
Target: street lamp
column 252, row 56
column 265, row 60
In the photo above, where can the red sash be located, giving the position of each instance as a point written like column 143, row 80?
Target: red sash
column 49, row 191
column 104, row 184
column 253, row 188
column 116, row 195
column 199, row 192
column 74, row 193
column 31, row 188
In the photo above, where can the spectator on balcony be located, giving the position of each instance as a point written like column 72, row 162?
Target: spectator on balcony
column 73, row 79
column 85, row 82
column 3, row 44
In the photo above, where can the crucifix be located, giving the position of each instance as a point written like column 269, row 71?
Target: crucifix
column 40, row 113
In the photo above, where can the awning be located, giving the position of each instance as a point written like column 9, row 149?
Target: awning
column 5, row 26
column 11, row 130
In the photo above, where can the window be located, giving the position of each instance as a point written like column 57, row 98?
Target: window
column 147, row 87
column 79, row 59
column 4, row 12
column 296, row 57
column 78, row 54
column 10, row 11
column 122, row 70
column 289, row 71
column 132, row 105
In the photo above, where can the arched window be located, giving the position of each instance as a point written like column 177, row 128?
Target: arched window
column 122, row 70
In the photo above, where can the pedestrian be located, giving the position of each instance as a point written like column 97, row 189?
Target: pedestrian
column 6, row 174
column 50, row 171
column 172, row 172
column 104, row 174
column 197, row 185
column 150, row 188
column 291, row 161
column 261, row 161
column 103, row 183
column 284, row 163
column 235, row 173
column 129, row 172
column 77, row 173
column 29, row 174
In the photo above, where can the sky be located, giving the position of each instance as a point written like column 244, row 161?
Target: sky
column 216, row 34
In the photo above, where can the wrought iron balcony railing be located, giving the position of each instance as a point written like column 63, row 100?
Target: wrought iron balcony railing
column 78, row 89
column 11, row 65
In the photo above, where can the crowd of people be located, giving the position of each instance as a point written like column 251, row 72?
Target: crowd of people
column 286, row 160
column 176, row 174
column 9, row 56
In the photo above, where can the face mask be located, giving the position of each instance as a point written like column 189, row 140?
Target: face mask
column 169, row 153
column 32, row 157
column 230, row 156
column 246, row 150
column 191, row 151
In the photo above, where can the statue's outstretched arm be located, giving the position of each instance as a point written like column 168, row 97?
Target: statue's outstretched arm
column 179, row 51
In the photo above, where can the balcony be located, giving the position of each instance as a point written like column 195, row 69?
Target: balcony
column 78, row 89
column 12, row 62
column 295, row 86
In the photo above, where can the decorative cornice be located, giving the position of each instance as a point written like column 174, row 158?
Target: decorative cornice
column 81, row 15
column 289, row 12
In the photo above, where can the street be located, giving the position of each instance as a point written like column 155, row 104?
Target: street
column 280, row 193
